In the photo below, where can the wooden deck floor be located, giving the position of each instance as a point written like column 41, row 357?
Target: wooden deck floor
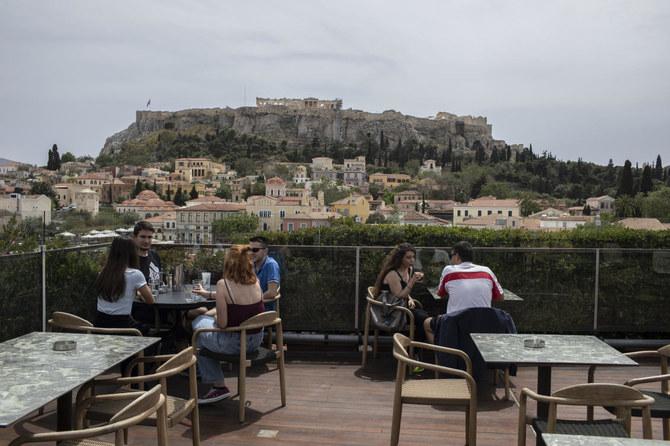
column 331, row 401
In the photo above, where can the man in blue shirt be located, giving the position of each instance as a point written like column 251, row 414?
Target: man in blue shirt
column 266, row 269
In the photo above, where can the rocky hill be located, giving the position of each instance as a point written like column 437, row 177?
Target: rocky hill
column 302, row 127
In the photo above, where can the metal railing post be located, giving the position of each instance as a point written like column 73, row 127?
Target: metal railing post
column 43, row 251
column 595, row 291
column 358, row 288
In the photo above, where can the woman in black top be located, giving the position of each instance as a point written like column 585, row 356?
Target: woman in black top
column 398, row 277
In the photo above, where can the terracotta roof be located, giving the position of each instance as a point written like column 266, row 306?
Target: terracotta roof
column 207, row 199
column 215, row 207
column 275, row 180
column 167, row 216
column 490, row 201
column 650, row 224
column 147, row 195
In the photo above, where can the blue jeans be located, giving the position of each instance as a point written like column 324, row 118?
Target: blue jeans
column 226, row 343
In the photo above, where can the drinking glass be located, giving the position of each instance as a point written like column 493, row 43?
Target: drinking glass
column 206, row 278
column 195, row 283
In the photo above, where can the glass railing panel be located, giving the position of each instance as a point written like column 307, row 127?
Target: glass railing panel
column 557, row 287
column 70, row 276
column 20, row 295
column 633, row 292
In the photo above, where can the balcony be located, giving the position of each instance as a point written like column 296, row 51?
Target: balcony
column 613, row 293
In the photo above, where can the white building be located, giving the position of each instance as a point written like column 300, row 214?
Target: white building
column 27, row 206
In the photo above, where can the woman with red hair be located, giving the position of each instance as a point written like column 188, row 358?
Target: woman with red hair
column 238, row 297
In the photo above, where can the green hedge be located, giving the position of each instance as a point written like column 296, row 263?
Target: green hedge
column 389, row 235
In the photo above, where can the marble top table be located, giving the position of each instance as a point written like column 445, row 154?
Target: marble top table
column 32, row 374
column 559, row 350
column 583, row 440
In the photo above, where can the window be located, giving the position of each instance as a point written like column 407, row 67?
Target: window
column 509, row 213
column 490, row 212
column 466, row 212
column 282, row 213
column 290, row 227
column 479, row 213
column 458, row 213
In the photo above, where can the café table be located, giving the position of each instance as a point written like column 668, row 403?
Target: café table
column 32, row 373
column 177, row 301
column 558, row 350
column 583, row 440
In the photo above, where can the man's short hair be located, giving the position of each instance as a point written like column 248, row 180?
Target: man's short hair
column 259, row 239
column 143, row 226
column 464, row 251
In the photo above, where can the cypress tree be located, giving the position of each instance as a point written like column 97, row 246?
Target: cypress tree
column 646, row 184
column 626, row 180
column 194, row 193
column 658, row 171
column 137, row 189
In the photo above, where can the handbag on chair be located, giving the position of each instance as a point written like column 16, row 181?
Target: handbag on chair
column 387, row 317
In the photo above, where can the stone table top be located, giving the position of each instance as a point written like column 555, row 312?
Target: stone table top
column 582, row 440
column 180, row 300
column 558, row 350
column 32, row 374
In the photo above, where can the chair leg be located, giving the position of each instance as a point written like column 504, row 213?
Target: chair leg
column 242, row 390
column 269, row 338
column 395, row 423
column 375, row 344
column 666, row 429
column 282, row 379
column 507, row 384
column 472, row 424
column 366, row 332
column 195, row 426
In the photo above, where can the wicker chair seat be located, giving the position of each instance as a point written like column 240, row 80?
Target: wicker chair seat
column 436, row 391
column 259, row 357
column 596, row 428
column 103, row 411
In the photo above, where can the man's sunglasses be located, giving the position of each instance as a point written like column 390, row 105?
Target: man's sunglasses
column 256, row 249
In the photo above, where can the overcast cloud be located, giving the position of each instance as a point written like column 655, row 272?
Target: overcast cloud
column 579, row 78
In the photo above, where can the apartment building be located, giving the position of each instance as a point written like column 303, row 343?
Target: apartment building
column 389, row 180
column 485, row 206
column 194, row 223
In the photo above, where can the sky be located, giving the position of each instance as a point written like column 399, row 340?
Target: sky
column 587, row 79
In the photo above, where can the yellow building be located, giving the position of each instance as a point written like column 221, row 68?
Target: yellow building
column 356, row 206
column 272, row 211
column 484, row 206
column 190, row 169
column 389, row 180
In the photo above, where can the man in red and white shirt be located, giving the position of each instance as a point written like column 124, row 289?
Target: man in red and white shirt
column 467, row 285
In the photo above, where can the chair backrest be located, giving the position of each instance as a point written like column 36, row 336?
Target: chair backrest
column 142, row 407
column 265, row 319
column 72, row 323
column 179, row 362
column 68, row 322
column 603, row 394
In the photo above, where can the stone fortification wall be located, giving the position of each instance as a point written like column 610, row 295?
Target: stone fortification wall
column 300, row 127
column 300, row 104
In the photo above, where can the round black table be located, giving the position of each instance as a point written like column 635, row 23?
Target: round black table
column 176, row 301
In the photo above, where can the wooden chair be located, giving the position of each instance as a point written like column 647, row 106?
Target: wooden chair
column 260, row 357
column 102, row 407
column 143, row 406
column 70, row 323
column 461, row 392
column 372, row 301
column 274, row 300
column 623, row 398
column 661, row 406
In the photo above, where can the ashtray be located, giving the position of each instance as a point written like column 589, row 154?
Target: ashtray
column 64, row 346
column 533, row 343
